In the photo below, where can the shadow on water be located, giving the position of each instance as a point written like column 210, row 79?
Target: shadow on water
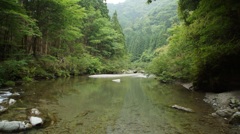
column 133, row 106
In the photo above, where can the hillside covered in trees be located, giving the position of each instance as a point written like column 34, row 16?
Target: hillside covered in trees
column 53, row 38
column 145, row 25
column 202, row 47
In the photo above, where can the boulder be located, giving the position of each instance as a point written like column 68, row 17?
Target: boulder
column 234, row 103
column 235, row 119
column 36, row 120
column 9, row 126
column 225, row 112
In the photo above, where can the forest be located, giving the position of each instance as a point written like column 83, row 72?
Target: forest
column 184, row 40
column 204, row 47
column 187, row 40
column 43, row 39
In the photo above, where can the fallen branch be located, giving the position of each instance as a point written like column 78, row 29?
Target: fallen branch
column 182, row 108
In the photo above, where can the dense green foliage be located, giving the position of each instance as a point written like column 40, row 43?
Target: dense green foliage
column 145, row 26
column 53, row 38
column 205, row 47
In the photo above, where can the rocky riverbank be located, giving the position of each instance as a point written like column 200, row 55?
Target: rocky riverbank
column 17, row 119
column 226, row 105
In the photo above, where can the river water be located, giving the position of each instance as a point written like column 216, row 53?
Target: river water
column 84, row 105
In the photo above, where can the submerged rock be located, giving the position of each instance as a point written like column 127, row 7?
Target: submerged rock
column 188, row 86
column 11, row 102
column 117, row 80
column 36, row 120
column 3, row 109
column 35, row 111
column 9, row 126
column 15, row 94
column 225, row 112
column 182, row 108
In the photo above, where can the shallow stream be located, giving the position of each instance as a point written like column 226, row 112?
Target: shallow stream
column 84, row 105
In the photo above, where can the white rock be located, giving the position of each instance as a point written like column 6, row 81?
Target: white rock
column 35, row 111
column 11, row 101
column 117, row 80
column 2, row 109
column 35, row 120
column 15, row 94
column 9, row 126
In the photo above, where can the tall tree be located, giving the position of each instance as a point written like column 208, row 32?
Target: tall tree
column 15, row 24
column 119, row 41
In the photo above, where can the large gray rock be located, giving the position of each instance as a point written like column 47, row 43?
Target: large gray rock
column 226, row 112
column 235, row 119
column 9, row 126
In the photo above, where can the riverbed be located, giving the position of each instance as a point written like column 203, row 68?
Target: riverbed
column 134, row 105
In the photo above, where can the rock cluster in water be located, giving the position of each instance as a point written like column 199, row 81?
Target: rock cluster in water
column 5, row 99
column 226, row 105
column 33, row 117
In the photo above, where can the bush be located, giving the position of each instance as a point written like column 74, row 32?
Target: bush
column 9, row 83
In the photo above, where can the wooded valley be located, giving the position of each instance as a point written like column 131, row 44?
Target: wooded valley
column 184, row 40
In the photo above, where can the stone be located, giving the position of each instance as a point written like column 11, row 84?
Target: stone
column 35, row 111
column 233, row 103
column 2, row 109
column 15, row 94
column 117, row 80
column 9, row 126
column 225, row 112
column 235, row 119
column 35, row 120
column 11, row 102
column 214, row 114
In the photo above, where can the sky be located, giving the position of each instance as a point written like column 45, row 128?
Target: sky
column 115, row 1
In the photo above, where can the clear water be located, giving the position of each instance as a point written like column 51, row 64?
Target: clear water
column 84, row 105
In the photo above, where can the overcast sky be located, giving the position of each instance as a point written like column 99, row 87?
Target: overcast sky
column 115, row 1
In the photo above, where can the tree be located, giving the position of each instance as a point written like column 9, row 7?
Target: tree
column 205, row 48
column 15, row 24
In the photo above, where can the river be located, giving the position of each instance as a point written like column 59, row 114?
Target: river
column 84, row 105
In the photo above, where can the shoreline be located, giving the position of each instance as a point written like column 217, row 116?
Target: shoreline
column 226, row 104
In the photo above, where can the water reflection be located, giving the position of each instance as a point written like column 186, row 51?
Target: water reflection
column 135, row 105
